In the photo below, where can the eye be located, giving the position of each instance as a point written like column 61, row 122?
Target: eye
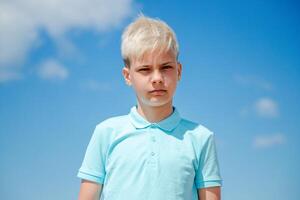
column 167, row 67
column 144, row 69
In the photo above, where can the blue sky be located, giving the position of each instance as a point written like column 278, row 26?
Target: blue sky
column 60, row 75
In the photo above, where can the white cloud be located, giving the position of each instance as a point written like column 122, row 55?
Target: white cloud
column 263, row 107
column 96, row 85
column 22, row 20
column 254, row 81
column 52, row 70
column 266, row 107
column 6, row 75
column 267, row 141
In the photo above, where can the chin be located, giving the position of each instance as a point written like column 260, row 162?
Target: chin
column 154, row 102
column 157, row 103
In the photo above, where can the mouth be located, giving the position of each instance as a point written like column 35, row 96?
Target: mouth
column 158, row 92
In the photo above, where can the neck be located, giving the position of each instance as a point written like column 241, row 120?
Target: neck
column 154, row 114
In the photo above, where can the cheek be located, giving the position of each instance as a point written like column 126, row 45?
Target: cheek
column 138, row 84
column 171, row 81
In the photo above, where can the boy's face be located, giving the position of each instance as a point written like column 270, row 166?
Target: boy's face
column 154, row 78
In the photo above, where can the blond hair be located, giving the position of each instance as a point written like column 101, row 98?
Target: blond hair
column 147, row 34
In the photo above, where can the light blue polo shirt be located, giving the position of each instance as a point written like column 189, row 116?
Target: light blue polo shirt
column 138, row 160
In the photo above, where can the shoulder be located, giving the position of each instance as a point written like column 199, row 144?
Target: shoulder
column 113, row 125
column 196, row 129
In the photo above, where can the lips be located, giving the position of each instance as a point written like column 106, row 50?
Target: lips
column 158, row 92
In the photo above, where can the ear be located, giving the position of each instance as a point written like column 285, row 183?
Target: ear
column 126, row 75
column 179, row 71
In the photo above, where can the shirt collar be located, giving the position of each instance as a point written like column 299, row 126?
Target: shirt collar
column 167, row 124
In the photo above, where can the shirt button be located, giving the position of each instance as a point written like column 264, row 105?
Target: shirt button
column 153, row 139
column 152, row 153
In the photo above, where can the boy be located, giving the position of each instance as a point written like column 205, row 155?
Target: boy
column 151, row 153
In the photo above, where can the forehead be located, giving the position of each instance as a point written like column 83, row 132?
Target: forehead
column 155, row 57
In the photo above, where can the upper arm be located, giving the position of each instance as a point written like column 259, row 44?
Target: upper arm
column 210, row 193
column 93, row 165
column 89, row 190
column 208, row 172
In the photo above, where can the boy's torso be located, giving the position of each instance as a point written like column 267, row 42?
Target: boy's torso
column 152, row 160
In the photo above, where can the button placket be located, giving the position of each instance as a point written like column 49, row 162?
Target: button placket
column 153, row 149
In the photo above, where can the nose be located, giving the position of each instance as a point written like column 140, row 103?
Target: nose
column 157, row 77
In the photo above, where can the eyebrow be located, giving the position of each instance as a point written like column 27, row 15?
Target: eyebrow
column 166, row 63
column 143, row 66
column 170, row 62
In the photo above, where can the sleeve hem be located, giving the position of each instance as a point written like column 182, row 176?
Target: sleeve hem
column 90, row 177
column 210, row 183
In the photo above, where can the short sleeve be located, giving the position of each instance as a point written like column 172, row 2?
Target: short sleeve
column 93, row 165
column 208, row 173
